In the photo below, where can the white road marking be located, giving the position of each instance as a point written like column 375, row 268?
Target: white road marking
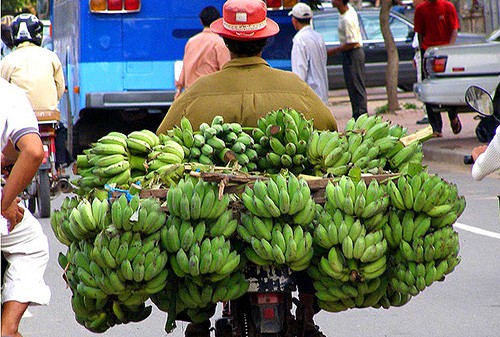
column 477, row 230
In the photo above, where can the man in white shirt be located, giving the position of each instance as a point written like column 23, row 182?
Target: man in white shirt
column 309, row 52
column 23, row 242
column 353, row 56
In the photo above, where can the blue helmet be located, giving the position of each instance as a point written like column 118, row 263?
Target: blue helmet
column 27, row 27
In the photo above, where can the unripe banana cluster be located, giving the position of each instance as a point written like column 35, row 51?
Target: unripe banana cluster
column 430, row 194
column 115, row 159
column 280, row 211
column 281, row 141
column 114, row 260
column 382, row 261
column 368, row 143
column 218, row 143
column 286, row 198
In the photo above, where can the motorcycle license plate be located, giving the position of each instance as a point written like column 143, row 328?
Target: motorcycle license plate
column 270, row 278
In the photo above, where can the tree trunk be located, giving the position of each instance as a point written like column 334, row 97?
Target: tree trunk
column 391, row 75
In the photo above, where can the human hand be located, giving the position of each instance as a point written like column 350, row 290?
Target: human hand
column 14, row 213
column 477, row 151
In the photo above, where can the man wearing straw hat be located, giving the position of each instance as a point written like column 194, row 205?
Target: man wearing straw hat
column 245, row 89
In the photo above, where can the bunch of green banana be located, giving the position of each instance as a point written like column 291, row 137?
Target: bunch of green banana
column 281, row 141
column 276, row 244
column 120, row 260
column 327, row 151
column 211, row 257
column 429, row 194
column 433, row 246
column 141, row 142
column 194, row 199
column 193, row 294
column 383, row 134
column 169, row 152
column 289, row 199
column 221, row 143
column 59, row 221
column 412, row 277
column 335, row 295
column 150, row 217
column 84, row 220
column 122, row 210
column 401, row 156
column 368, row 203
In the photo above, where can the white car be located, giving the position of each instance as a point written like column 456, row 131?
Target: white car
column 451, row 69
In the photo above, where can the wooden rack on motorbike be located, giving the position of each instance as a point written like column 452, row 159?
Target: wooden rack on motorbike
column 234, row 183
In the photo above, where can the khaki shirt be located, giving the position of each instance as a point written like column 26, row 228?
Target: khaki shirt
column 38, row 72
column 244, row 90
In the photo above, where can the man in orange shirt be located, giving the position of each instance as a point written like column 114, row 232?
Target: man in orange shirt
column 204, row 53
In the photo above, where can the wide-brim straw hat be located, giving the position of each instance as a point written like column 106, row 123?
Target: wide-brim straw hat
column 245, row 20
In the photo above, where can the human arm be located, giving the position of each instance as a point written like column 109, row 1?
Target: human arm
column 59, row 79
column 453, row 37
column 28, row 160
column 342, row 47
column 486, row 160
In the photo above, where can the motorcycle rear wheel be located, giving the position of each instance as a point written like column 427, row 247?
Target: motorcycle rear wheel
column 43, row 194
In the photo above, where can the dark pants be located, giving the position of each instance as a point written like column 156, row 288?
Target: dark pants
column 63, row 157
column 435, row 119
column 353, row 65
column 434, row 114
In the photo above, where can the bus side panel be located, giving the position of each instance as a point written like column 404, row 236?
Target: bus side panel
column 65, row 16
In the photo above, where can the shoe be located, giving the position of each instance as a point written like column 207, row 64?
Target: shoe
column 456, row 126
column 198, row 329
column 424, row 120
column 437, row 134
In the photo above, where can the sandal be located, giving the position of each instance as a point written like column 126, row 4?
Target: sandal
column 456, row 126
column 437, row 134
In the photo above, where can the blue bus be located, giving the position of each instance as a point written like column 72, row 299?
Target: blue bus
column 121, row 58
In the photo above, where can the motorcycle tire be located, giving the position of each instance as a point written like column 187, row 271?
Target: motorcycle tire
column 32, row 204
column 43, row 194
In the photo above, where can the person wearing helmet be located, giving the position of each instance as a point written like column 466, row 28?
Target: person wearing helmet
column 36, row 70
column 245, row 89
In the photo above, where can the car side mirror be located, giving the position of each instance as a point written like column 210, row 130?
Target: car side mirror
column 479, row 100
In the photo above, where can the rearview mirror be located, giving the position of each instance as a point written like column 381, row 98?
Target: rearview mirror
column 479, row 100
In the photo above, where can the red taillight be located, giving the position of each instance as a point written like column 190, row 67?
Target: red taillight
column 114, row 6
column 267, row 298
column 274, row 3
column 268, row 313
column 439, row 65
column 132, row 5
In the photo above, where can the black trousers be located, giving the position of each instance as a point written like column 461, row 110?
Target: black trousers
column 353, row 65
column 433, row 113
column 63, row 157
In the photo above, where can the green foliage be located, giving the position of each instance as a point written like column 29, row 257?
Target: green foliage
column 13, row 7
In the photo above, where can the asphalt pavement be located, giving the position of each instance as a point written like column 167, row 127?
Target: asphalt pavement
column 449, row 149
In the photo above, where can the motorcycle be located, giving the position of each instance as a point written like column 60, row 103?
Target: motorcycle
column 481, row 102
column 265, row 310
column 488, row 110
column 47, row 183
